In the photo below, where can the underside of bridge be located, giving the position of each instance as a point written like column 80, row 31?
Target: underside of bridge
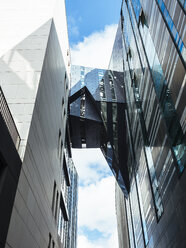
column 101, row 123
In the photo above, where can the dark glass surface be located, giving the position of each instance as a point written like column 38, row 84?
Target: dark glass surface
column 172, row 28
column 141, row 102
column 154, row 83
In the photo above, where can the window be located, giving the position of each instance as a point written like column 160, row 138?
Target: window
column 82, row 106
column 60, row 145
column 63, row 110
column 112, row 90
column 56, row 205
column 49, row 241
column 129, row 53
column 60, row 223
column 54, row 195
column 65, row 81
column 102, row 90
column 63, row 101
column 63, row 176
column 142, row 19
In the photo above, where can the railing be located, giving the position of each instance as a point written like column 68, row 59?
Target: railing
column 8, row 119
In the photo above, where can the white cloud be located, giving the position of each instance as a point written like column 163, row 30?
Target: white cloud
column 96, row 206
column 72, row 26
column 91, row 165
column 97, row 212
column 112, row 242
column 95, row 50
column 83, row 242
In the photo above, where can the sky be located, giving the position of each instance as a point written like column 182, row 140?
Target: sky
column 92, row 27
column 86, row 17
column 96, row 206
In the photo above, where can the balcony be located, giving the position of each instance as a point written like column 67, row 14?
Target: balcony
column 9, row 121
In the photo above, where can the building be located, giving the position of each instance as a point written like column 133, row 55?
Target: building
column 97, row 119
column 134, row 111
column 122, row 227
column 69, row 227
column 151, row 35
column 38, row 183
column 72, row 207
column 142, row 134
column 85, row 76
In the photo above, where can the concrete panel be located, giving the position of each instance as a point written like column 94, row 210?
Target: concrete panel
column 41, row 164
column 20, row 69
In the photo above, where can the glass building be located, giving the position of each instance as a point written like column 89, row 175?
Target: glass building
column 86, row 76
column 151, row 41
column 97, row 119
column 67, row 229
column 140, row 122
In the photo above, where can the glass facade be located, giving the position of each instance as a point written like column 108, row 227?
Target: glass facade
column 140, row 101
column 67, row 223
column 70, row 227
column 85, row 76
column 97, row 108
column 153, row 60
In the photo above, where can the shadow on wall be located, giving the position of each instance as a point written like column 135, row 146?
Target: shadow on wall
column 20, row 71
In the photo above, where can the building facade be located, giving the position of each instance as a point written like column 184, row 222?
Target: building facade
column 97, row 119
column 122, row 226
column 37, row 177
column 142, row 134
column 134, row 111
column 151, row 40
column 67, row 230
column 85, row 76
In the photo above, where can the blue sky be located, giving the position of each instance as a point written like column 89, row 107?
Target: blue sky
column 87, row 16
column 96, row 200
column 92, row 26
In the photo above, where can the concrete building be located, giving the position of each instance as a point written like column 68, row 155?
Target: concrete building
column 34, row 76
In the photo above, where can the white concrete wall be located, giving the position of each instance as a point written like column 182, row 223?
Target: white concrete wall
column 60, row 22
column 20, row 71
column 20, row 18
column 24, row 31
column 32, row 218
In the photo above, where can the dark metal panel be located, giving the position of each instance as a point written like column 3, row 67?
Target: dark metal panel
column 122, row 145
column 90, row 111
column 75, row 132
column 75, row 107
column 93, row 133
